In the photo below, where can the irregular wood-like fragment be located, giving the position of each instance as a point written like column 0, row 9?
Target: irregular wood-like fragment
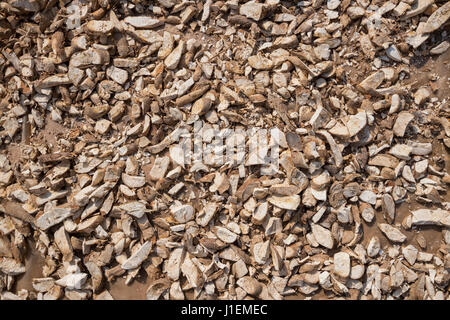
column 260, row 63
column 15, row 210
column 392, row 233
column 96, row 275
column 253, row 10
column 53, row 216
column 389, row 207
column 403, row 119
column 342, row 264
column 205, row 216
column 323, row 236
column 250, row 285
column 11, row 267
column 372, row 82
column 192, row 273
column 99, row 27
column 261, row 252
column 356, row 123
column 418, row 7
column 193, row 95
column 438, row 18
column 174, row 263
column 157, row 288
column 182, row 213
column 437, row 217
column 135, row 208
column 133, row 181
column 64, row 244
column 138, row 257
column 287, row 202
column 55, row 157
column 384, row 160
column 159, row 168
column 225, row 235
column 334, row 148
column 143, row 22
column 174, row 57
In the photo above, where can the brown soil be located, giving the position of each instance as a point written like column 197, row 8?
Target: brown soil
column 51, row 133
column 34, row 263
column 433, row 66
column 135, row 291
